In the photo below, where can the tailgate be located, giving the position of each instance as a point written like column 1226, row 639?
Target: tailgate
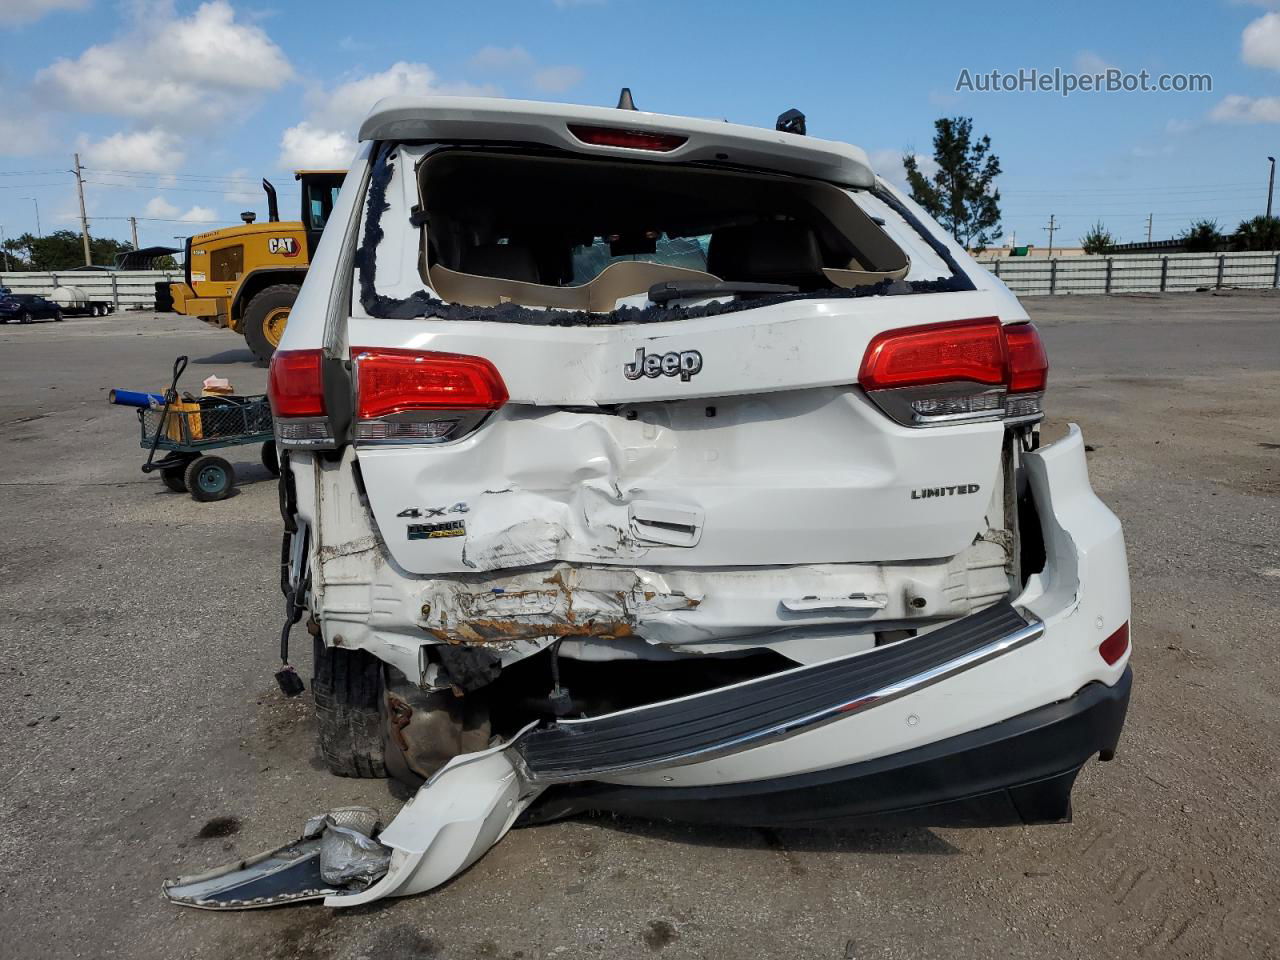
column 732, row 440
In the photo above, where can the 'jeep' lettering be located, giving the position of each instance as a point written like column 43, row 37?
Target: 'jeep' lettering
column 684, row 364
column 924, row 493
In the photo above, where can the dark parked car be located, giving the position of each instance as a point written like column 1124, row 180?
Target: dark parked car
column 25, row 307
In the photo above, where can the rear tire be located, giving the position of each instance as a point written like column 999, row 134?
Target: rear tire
column 347, row 686
column 209, row 478
column 265, row 318
column 175, row 478
column 271, row 459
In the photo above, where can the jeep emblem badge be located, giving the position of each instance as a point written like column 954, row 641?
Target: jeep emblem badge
column 684, row 364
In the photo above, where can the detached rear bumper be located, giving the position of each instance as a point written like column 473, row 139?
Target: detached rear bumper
column 1019, row 771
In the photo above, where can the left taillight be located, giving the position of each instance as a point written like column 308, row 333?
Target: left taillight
column 423, row 396
column 295, row 387
column 959, row 371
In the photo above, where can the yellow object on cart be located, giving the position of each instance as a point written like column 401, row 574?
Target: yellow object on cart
column 180, row 412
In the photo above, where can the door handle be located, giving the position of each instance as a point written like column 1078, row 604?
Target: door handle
column 673, row 524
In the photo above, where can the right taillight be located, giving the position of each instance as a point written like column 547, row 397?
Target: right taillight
column 423, row 396
column 1115, row 646
column 295, row 387
column 961, row 371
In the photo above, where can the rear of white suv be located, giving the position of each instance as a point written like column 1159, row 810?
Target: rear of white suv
column 656, row 465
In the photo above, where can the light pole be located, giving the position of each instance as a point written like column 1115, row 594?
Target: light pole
column 5, row 248
column 39, row 233
column 1271, row 185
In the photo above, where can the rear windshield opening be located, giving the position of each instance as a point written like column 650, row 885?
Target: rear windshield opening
column 593, row 234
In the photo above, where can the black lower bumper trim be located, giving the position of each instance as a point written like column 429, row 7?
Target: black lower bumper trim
column 1014, row 772
column 764, row 707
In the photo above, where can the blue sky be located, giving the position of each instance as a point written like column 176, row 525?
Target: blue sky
column 179, row 108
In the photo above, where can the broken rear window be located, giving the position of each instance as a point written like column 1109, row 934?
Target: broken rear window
column 551, row 237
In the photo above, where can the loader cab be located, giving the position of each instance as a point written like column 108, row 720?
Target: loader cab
column 319, row 189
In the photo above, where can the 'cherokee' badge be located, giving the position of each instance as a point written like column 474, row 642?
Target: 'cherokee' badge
column 684, row 364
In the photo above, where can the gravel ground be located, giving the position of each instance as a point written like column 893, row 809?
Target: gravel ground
column 141, row 734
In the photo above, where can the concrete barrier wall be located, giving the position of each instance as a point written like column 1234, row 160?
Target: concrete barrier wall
column 1136, row 273
column 124, row 289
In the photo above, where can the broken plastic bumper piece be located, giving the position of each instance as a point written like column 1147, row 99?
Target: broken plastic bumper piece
column 471, row 803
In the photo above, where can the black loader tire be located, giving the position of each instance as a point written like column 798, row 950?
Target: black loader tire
column 257, row 311
column 346, row 686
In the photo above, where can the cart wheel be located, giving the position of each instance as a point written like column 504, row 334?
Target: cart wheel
column 271, row 459
column 209, row 478
column 175, row 478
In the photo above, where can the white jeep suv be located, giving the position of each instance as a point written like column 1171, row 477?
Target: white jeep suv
column 659, row 465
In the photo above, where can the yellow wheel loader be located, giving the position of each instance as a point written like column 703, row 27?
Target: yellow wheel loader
column 247, row 277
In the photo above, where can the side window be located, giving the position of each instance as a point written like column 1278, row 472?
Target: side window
column 320, row 201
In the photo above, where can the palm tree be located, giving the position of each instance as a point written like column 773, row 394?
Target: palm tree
column 1260, row 233
column 1203, row 236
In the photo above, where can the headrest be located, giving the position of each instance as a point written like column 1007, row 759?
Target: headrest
column 773, row 251
column 503, row 261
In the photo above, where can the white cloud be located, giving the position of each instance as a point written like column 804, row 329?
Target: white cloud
column 160, row 208
column 306, row 146
column 185, row 71
column 24, row 130
column 199, row 214
column 28, row 11
column 497, row 59
column 327, row 137
column 1240, row 109
column 888, row 164
column 557, row 79
column 1087, row 61
column 241, row 186
column 1260, row 43
column 152, row 151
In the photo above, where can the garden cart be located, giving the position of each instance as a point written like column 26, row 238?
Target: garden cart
column 187, row 428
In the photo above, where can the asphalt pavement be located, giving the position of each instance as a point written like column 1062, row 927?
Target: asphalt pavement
column 142, row 735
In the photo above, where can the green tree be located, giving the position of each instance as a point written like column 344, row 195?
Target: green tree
column 961, row 195
column 15, row 255
column 1260, row 233
column 63, row 249
column 1098, row 240
column 1203, row 236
